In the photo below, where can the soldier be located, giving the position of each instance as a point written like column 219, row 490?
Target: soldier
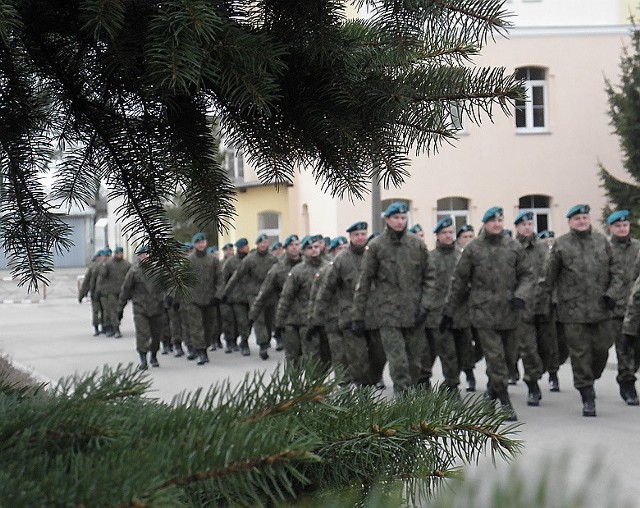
column 527, row 334
column 178, row 318
column 271, row 287
column 292, row 313
column 235, row 321
column 631, row 323
column 443, row 259
column 416, row 229
column 227, row 252
column 110, row 278
column 583, row 270
column 148, row 309
column 625, row 250
column 250, row 275
column 205, row 296
column 89, row 287
column 494, row 276
column 464, row 235
column 548, row 237
column 398, row 264
column 276, row 249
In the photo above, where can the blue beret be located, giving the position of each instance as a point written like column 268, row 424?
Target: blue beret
column 198, row 237
column 107, row 252
column 415, row 229
column 337, row 241
column 99, row 253
column 575, row 210
column 507, row 232
column 492, row 213
column 319, row 238
column 443, row 223
column 618, row 215
column 185, row 247
column 189, row 245
column 326, row 240
column 275, row 245
column 372, row 236
column 308, row 240
column 212, row 249
column 242, row 243
column 261, row 238
column 357, row 226
column 526, row 215
column 397, row 207
column 546, row 234
column 145, row 248
column 118, row 250
column 227, row 246
column 289, row 240
column 464, row 229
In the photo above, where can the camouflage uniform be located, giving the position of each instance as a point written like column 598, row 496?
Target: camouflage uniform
column 178, row 322
column 582, row 269
column 272, row 285
column 631, row 323
column 399, row 265
column 491, row 272
column 89, row 287
column 234, row 309
column 110, row 278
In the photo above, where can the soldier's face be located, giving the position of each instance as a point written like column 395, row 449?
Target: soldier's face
column 262, row 246
column 525, row 227
column 313, row 250
column 622, row 228
column 358, row 238
column 244, row 249
column 580, row 222
column 339, row 249
column 228, row 252
column 465, row 238
column 143, row 257
column 446, row 235
column 276, row 252
column 201, row 245
column 495, row 226
column 119, row 255
column 397, row 222
column 293, row 249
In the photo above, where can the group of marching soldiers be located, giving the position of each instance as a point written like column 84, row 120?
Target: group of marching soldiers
column 359, row 301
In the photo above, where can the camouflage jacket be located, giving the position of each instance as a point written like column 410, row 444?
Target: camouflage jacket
column 89, row 280
column 491, row 271
column 235, row 295
column 208, row 278
column 111, row 276
column 331, row 311
column 444, row 259
column 271, row 286
column 398, row 264
column 582, row 269
column 250, row 274
column 293, row 306
column 631, row 323
column 625, row 251
column 147, row 299
column 536, row 252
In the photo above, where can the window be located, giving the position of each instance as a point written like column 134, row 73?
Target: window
column 531, row 114
column 541, row 206
column 234, row 163
column 456, row 117
column 269, row 224
column 455, row 207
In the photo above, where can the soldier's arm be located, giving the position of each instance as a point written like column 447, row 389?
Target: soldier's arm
column 636, row 267
column 102, row 275
column 126, row 289
column 286, row 299
column 363, row 286
column 267, row 290
column 86, row 283
column 524, row 275
column 428, row 293
column 616, row 275
column 548, row 279
column 217, row 277
column 326, row 291
column 460, row 283
column 631, row 323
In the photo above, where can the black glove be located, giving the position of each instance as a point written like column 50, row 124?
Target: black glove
column 628, row 343
column 357, row 327
column 420, row 316
column 312, row 332
column 80, row 299
column 168, row 302
column 176, row 306
column 120, row 314
column 517, row 303
column 446, row 323
column 608, row 302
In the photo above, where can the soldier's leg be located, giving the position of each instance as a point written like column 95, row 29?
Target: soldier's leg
column 626, row 358
column 496, row 360
column 579, row 340
column 446, row 351
column 292, row 343
column 143, row 337
column 263, row 333
column 466, row 356
column 395, row 349
column 157, row 326
column 338, row 352
column 528, row 348
column 106, row 318
column 196, row 327
column 229, row 329
column 377, row 358
column 427, row 358
column 563, row 343
column 241, row 311
column 356, row 350
column 217, row 327
column 602, row 340
column 184, row 319
column 209, row 323
column 165, row 335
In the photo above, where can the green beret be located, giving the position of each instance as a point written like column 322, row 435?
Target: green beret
column 337, row 241
column 415, row 229
column 618, row 215
column 492, row 213
column 145, row 248
column 464, row 229
column 326, row 240
column 275, row 245
column 397, row 207
column 198, row 237
column 212, row 249
column 443, row 223
column 107, row 252
column 308, row 240
column 526, row 215
column 546, row 234
column 242, row 242
column 289, row 240
column 227, row 246
column 575, row 210
column 261, row 238
column 357, row 226
column 118, row 250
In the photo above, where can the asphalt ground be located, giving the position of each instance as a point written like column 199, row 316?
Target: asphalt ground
column 53, row 339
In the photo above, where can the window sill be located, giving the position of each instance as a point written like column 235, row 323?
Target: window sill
column 528, row 132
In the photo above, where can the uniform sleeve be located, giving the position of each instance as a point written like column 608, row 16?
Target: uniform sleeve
column 548, row 279
column 524, row 276
column 217, row 277
column 363, row 286
column 428, row 293
column 286, row 300
column 267, row 290
column 631, row 323
column 237, row 276
column 459, row 286
column 86, row 282
column 126, row 289
column 102, row 275
column 616, row 275
column 327, row 286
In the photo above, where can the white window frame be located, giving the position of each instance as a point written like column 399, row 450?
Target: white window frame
column 538, row 211
column 529, row 107
column 465, row 214
column 272, row 233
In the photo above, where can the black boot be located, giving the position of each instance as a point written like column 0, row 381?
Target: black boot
column 264, row 354
column 490, row 393
column 471, row 380
column 505, row 402
column 628, row 393
column 202, row 357
column 154, row 359
column 553, row 382
column 165, row 347
column 143, row 361
column 229, row 348
column 192, row 354
column 96, row 331
column 178, row 350
column 588, row 395
column 108, row 331
column 116, row 333
column 534, row 395
column 213, row 347
column 244, row 347
column 103, row 329
column 218, row 343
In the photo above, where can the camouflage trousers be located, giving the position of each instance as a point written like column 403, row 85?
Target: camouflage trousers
column 229, row 327
column 445, row 349
column 294, row 337
column 527, row 340
column 110, row 307
column 404, row 349
column 338, row 353
column 201, row 323
column 464, row 348
column 629, row 360
column 235, row 318
column 96, row 313
column 264, row 325
column 589, row 345
column 148, row 331
column 365, row 356
column 552, row 345
column 178, row 321
column 317, row 348
column 500, row 349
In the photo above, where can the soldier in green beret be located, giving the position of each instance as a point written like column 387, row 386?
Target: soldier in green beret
column 235, row 321
column 110, row 278
column 88, row 287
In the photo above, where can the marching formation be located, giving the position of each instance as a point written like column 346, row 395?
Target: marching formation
column 359, row 301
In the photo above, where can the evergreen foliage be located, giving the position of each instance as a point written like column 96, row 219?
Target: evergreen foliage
column 624, row 110
column 128, row 86
column 98, row 439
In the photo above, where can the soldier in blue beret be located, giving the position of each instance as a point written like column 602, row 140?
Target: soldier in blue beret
column 276, row 249
column 357, row 226
column 464, row 235
column 337, row 245
column 587, row 278
column 241, row 243
column 493, row 213
column 262, row 238
column 416, row 229
column 110, row 278
column 445, row 223
column 198, row 237
column 625, row 251
column 396, row 207
column 289, row 240
column 234, row 306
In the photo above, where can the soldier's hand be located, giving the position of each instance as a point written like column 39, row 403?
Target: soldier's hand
column 420, row 316
column 628, row 343
column 608, row 302
column 312, row 332
column 168, row 302
column 357, row 327
column 517, row 303
column 446, row 323
column 80, row 299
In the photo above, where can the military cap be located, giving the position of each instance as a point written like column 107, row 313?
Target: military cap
column 198, row 237
column 189, row 245
column 99, row 253
column 492, row 213
column 261, row 238
column 326, row 240
column 415, row 229
column 357, row 226
column 337, row 241
column 242, row 243
column 275, row 245
column 443, row 223
column 575, row 210
column 308, row 240
column 507, row 232
column 525, row 215
column 227, row 246
column 464, row 229
column 118, row 250
column 289, row 240
column 145, row 248
column 618, row 215
column 107, row 252
column 319, row 238
column 372, row 236
column 396, row 207
column 546, row 234
column 212, row 249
